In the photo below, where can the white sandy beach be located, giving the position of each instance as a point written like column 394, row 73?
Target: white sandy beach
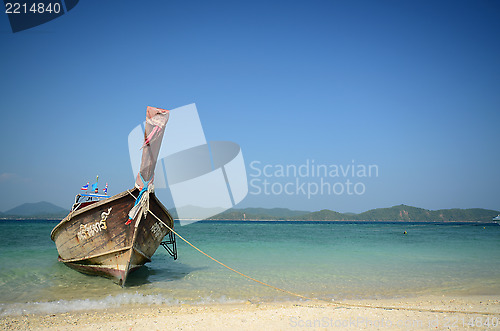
column 476, row 312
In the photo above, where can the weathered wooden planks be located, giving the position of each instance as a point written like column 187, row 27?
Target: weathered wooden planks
column 95, row 239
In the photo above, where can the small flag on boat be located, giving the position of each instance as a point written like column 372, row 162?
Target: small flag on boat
column 85, row 187
column 105, row 190
column 94, row 188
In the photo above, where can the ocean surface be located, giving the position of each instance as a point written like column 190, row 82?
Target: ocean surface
column 328, row 260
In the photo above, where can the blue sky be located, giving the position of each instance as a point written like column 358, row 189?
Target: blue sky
column 410, row 86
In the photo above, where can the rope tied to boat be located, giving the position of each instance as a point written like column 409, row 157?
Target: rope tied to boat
column 338, row 304
column 141, row 204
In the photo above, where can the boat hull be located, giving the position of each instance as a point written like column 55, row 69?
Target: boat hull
column 97, row 240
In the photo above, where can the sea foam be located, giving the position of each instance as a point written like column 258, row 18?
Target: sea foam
column 63, row 306
column 111, row 301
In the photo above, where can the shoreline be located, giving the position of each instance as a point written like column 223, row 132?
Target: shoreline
column 455, row 312
column 288, row 221
column 344, row 221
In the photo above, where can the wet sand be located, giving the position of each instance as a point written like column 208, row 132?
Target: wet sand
column 307, row 315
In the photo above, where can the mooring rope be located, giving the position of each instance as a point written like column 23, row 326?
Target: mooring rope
column 338, row 304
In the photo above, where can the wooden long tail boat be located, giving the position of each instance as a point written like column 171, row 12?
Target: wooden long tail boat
column 114, row 236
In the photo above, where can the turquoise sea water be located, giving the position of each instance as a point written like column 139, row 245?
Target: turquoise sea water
column 329, row 260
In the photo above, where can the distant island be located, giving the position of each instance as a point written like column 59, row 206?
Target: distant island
column 38, row 210
column 400, row 213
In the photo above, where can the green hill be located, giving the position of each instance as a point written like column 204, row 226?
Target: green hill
column 231, row 214
column 395, row 213
column 36, row 210
column 259, row 214
column 324, row 215
column 276, row 212
column 409, row 213
column 464, row 215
